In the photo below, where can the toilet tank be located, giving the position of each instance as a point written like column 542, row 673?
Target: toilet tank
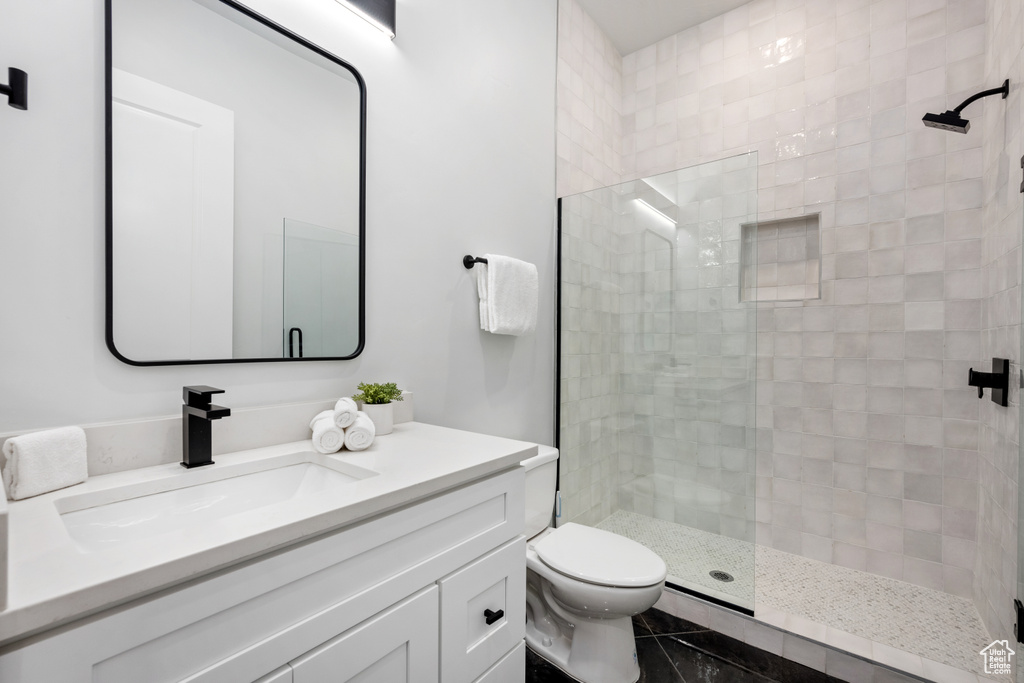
column 541, row 476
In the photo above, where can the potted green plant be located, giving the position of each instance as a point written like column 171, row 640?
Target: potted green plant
column 377, row 400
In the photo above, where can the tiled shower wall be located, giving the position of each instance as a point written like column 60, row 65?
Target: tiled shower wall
column 868, row 447
column 589, row 142
column 995, row 572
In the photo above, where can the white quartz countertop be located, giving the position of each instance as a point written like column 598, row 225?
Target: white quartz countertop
column 52, row 581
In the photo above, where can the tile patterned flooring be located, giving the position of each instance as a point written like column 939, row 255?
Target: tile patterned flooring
column 672, row 650
column 869, row 611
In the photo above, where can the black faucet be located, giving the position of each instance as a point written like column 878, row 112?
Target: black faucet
column 197, row 416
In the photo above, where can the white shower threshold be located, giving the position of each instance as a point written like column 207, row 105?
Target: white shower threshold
column 920, row 631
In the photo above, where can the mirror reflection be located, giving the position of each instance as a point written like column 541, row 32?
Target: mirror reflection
column 235, row 216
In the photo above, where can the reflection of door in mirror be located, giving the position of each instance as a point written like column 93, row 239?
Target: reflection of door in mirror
column 174, row 207
column 321, row 290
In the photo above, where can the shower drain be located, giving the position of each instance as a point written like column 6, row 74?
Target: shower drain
column 719, row 575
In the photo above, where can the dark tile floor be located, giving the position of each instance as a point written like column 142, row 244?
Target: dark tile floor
column 673, row 650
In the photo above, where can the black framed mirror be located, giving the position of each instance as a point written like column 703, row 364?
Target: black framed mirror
column 235, row 189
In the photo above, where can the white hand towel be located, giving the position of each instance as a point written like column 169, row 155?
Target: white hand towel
column 360, row 434
column 327, row 437
column 481, row 290
column 345, row 411
column 511, row 296
column 44, row 461
column 322, row 415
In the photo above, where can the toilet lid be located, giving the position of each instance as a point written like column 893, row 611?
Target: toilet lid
column 601, row 557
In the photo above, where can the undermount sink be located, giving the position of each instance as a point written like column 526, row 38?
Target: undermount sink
column 196, row 499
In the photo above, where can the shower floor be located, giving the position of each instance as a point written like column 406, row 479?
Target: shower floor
column 878, row 618
column 691, row 554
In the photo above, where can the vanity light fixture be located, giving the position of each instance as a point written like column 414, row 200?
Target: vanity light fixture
column 380, row 13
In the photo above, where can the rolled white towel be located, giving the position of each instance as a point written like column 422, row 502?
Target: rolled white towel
column 44, row 461
column 345, row 412
column 360, row 433
column 327, row 437
column 322, row 415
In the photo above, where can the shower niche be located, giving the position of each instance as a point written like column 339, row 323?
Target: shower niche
column 780, row 260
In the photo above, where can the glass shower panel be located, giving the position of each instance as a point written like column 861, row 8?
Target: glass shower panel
column 321, row 291
column 658, row 369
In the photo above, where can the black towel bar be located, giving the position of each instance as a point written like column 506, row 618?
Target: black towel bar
column 470, row 261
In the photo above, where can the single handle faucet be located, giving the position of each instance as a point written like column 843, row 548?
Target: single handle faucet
column 197, row 416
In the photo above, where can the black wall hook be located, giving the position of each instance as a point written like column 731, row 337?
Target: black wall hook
column 16, row 89
column 998, row 380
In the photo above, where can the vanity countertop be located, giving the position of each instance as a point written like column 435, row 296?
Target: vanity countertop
column 52, row 581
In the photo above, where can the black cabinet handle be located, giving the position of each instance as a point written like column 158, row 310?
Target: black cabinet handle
column 490, row 617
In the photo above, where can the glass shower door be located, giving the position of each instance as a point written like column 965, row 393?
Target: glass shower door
column 658, row 369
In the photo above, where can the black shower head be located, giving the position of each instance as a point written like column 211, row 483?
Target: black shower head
column 950, row 121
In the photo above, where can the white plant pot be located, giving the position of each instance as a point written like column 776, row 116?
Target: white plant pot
column 382, row 415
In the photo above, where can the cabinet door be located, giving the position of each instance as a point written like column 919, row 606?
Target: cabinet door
column 492, row 589
column 511, row 668
column 397, row 646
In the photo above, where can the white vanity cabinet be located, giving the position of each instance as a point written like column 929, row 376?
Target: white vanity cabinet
column 404, row 596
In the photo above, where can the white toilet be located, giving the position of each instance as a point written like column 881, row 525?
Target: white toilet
column 583, row 585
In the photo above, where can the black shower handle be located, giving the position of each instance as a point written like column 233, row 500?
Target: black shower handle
column 974, row 381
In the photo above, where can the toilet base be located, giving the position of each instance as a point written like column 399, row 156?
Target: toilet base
column 591, row 651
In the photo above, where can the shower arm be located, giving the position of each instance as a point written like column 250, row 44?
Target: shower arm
column 1003, row 90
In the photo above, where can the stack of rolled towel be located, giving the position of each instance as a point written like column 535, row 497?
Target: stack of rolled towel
column 345, row 426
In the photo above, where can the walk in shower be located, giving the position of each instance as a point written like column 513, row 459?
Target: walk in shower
column 708, row 410
column 657, row 369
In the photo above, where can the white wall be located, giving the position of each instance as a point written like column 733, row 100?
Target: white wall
column 461, row 160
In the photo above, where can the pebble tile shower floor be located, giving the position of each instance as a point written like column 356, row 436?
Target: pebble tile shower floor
column 871, row 609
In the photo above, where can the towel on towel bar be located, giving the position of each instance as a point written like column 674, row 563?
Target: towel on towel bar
column 508, row 293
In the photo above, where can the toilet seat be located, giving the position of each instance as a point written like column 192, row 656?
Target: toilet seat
column 600, row 557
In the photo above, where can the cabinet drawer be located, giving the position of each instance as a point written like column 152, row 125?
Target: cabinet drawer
column 398, row 646
column 494, row 585
column 511, row 668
